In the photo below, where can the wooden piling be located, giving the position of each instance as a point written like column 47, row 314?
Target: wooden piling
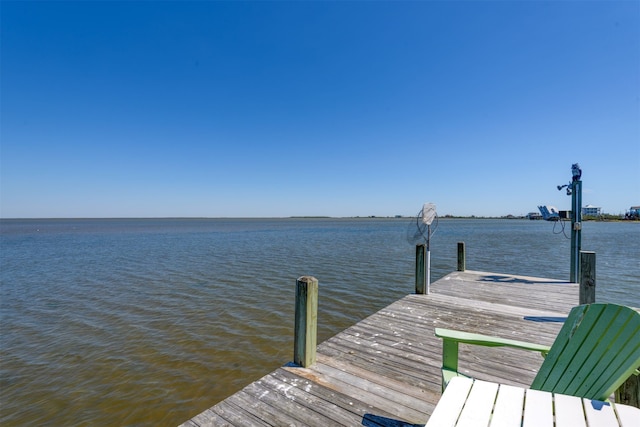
column 629, row 392
column 587, row 277
column 306, row 321
column 461, row 257
column 421, row 272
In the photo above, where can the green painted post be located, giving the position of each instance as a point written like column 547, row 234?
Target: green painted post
column 306, row 321
column 587, row 277
column 421, row 277
column 576, row 229
column 449, row 359
column 462, row 257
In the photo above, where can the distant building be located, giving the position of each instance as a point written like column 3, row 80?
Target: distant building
column 591, row 210
column 634, row 213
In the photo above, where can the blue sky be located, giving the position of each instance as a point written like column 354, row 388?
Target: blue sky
column 354, row 108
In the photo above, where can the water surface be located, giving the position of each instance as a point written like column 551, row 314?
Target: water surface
column 151, row 321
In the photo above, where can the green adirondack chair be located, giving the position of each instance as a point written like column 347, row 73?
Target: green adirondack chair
column 597, row 349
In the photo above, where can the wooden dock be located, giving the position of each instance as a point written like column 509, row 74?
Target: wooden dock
column 385, row 370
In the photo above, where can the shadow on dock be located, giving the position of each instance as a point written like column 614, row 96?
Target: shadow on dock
column 514, row 279
column 371, row 420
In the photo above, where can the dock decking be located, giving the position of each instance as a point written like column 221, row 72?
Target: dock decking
column 385, row 370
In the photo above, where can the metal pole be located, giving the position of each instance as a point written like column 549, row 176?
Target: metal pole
column 576, row 229
column 428, row 259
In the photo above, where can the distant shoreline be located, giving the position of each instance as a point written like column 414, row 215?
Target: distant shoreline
column 608, row 218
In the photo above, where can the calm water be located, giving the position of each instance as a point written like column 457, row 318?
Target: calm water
column 150, row 322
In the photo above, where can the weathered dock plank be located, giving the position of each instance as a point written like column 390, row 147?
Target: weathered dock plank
column 385, row 370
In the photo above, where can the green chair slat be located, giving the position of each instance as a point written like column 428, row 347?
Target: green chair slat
column 574, row 364
column 618, row 360
column 597, row 356
column 571, row 336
